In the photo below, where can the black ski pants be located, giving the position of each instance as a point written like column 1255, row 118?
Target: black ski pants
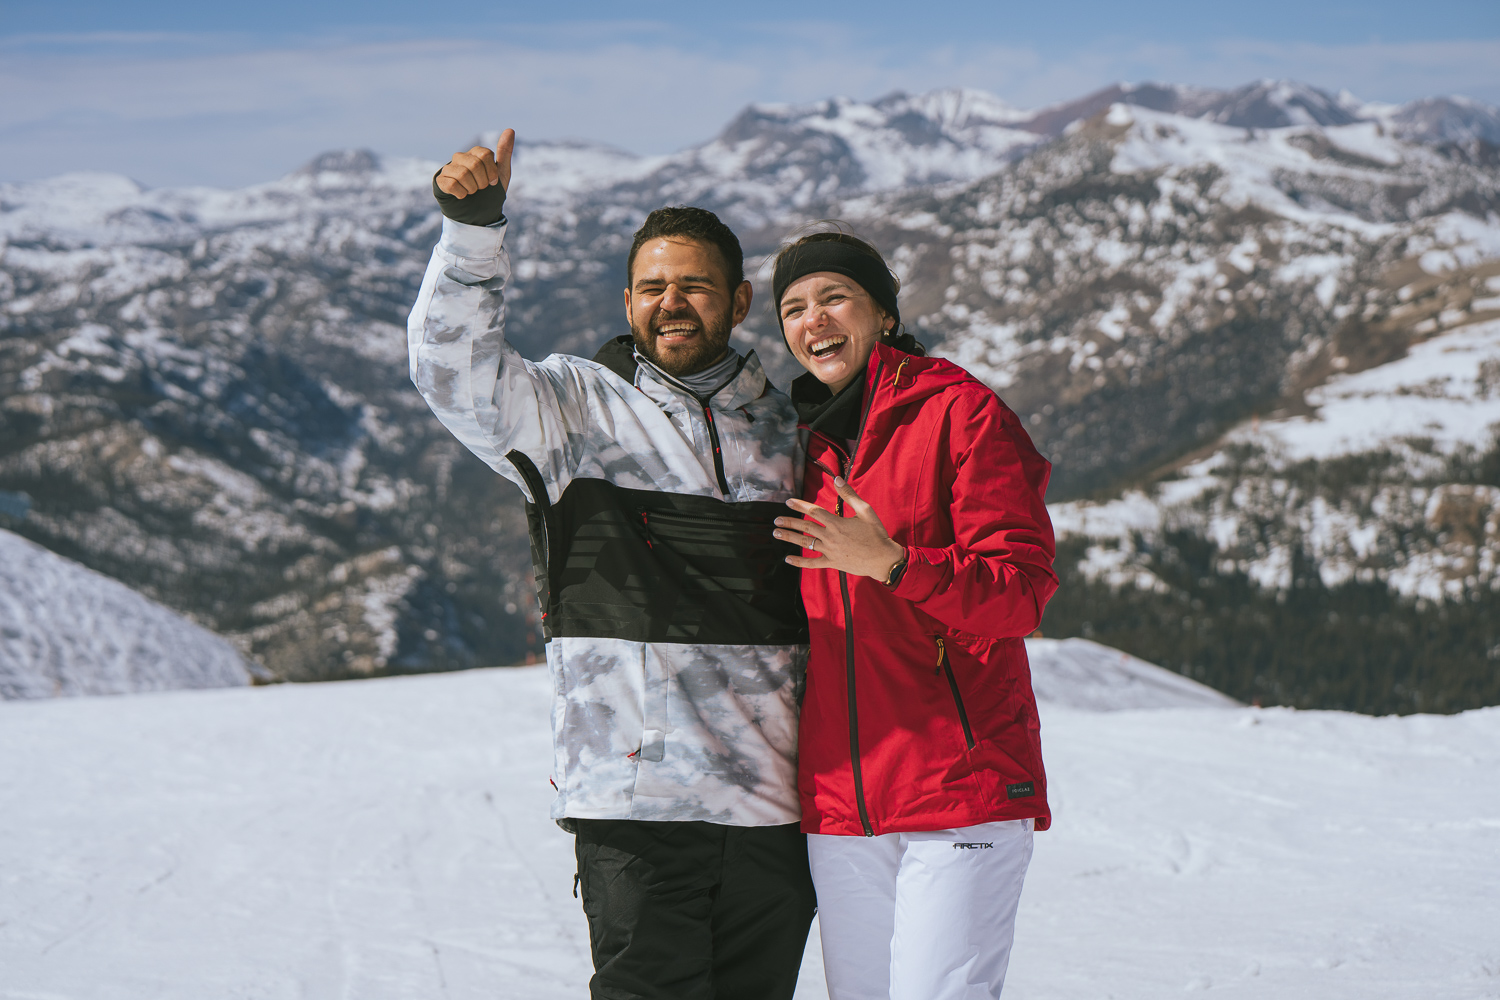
column 694, row 911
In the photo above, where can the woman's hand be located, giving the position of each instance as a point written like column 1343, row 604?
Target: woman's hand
column 857, row 545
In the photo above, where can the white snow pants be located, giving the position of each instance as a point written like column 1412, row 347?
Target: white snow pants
column 919, row 916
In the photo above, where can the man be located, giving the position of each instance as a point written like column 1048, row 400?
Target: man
column 675, row 634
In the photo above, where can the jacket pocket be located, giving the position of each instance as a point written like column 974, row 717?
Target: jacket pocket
column 958, row 698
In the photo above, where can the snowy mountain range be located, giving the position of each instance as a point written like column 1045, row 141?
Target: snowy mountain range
column 205, row 396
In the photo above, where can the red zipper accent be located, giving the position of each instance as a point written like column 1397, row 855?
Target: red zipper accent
column 713, row 437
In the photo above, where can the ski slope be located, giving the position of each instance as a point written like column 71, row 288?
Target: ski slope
column 389, row 839
column 67, row 630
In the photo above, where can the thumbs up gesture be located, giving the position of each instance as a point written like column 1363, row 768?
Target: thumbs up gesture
column 479, row 168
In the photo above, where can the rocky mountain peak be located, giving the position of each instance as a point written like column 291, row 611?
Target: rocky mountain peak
column 1271, row 104
column 1447, row 119
column 356, row 162
column 1054, row 119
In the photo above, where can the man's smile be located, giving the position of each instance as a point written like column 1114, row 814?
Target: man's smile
column 676, row 329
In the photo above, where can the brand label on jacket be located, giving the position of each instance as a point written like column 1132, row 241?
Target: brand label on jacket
column 1020, row 790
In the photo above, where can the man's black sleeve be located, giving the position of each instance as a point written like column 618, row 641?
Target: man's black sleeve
column 484, row 207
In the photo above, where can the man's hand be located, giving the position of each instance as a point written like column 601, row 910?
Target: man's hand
column 479, row 168
column 859, row 545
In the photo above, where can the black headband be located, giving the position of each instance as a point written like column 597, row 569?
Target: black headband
column 840, row 258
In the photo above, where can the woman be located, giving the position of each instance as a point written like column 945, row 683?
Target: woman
column 927, row 557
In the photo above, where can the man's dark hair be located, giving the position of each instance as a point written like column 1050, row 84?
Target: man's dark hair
column 696, row 224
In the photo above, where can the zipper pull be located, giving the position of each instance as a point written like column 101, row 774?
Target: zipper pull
column 942, row 655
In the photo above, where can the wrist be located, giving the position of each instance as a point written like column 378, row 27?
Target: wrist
column 484, row 207
column 896, row 567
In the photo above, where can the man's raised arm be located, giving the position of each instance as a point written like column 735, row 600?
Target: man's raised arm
column 492, row 399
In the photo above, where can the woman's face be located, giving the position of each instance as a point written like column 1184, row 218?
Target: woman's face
column 831, row 324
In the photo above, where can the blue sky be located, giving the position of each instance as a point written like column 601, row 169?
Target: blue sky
column 173, row 92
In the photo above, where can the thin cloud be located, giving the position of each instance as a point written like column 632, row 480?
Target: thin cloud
column 172, row 109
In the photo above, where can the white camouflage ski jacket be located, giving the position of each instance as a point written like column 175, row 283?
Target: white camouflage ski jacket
column 676, row 639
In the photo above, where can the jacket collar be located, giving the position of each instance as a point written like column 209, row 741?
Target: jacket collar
column 747, row 385
column 835, row 415
column 893, row 380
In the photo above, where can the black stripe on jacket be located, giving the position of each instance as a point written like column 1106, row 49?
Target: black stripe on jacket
column 648, row 566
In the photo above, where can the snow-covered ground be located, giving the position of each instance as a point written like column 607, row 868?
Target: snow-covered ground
column 389, row 838
column 66, row 630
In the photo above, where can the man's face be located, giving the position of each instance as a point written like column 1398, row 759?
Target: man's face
column 680, row 306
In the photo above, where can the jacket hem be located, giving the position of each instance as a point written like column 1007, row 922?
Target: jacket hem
column 830, row 826
column 668, row 817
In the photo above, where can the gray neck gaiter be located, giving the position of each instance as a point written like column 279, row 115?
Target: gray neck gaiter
column 699, row 383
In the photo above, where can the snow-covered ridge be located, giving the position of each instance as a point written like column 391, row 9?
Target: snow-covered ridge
column 894, row 142
column 66, row 630
column 100, row 209
column 1424, row 536
column 1256, row 166
column 1079, row 674
column 1262, row 104
column 1271, row 104
column 1445, row 391
column 553, row 172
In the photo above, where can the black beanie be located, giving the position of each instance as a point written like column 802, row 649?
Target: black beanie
column 840, row 258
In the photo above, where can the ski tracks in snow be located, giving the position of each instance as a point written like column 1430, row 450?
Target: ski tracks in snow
column 1270, row 853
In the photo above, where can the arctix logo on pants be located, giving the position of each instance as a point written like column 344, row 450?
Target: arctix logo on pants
column 972, row 847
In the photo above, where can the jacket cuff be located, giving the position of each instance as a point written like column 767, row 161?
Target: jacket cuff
column 474, row 242
column 921, row 578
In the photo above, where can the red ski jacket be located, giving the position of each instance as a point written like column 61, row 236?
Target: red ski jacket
column 919, row 713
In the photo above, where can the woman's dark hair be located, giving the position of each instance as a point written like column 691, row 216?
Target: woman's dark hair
column 897, row 337
column 696, row 224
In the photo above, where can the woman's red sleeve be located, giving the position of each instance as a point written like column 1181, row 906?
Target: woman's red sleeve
column 996, row 577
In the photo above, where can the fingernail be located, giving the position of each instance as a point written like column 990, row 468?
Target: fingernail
column 838, row 480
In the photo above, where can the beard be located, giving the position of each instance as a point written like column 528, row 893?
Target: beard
column 707, row 350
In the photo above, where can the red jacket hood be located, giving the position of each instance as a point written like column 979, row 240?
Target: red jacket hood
column 894, row 379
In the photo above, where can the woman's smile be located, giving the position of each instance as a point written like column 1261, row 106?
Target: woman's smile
column 827, row 347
